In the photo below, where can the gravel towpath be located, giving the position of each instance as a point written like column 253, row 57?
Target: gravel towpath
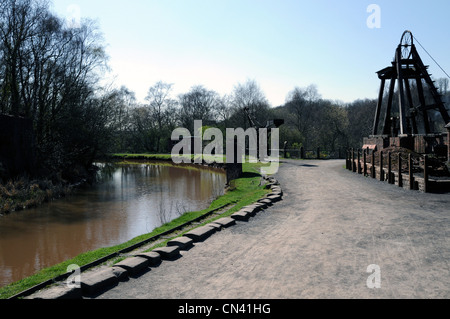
column 316, row 243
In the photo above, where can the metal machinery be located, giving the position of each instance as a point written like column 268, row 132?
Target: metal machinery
column 412, row 112
column 271, row 124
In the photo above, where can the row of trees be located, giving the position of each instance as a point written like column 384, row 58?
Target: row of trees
column 50, row 73
column 148, row 127
column 310, row 121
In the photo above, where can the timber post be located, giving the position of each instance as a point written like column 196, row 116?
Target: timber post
column 400, row 176
column 365, row 162
column 425, row 173
column 359, row 162
column 448, row 144
column 390, row 179
column 353, row 160
column 381, row 167
column 373, row 165
column 411, row 174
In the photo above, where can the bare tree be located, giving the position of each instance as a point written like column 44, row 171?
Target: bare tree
column 249, row 96
column 360, row 114
column 160, row 102
column 50, row 74
column 198, row 104
column 302, row 103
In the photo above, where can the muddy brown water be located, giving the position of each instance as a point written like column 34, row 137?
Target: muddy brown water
column 131, row 200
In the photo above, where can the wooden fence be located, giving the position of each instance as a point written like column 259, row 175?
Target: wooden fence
column 402, row 170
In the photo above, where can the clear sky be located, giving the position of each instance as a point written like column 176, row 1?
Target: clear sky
column 279, row 43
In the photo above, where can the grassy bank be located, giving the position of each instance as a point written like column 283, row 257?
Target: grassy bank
column 241, row 192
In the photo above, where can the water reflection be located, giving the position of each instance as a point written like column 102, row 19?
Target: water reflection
column 131, row 200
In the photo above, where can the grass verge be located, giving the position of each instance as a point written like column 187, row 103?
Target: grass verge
column 242, row 192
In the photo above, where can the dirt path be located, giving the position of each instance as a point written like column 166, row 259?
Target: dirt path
column 316, row 243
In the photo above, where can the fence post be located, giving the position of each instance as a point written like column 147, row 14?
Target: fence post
column 302, row 152
column 381, row 167
column 365, row 163
column 347, row 159
column 400, row 176
column 411, row 174
column 390, row 168
column 353, row 161
column 425, row 173
column 358, row 167
column 373, row 164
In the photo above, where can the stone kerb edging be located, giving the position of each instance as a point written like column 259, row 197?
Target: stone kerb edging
column 98, row 281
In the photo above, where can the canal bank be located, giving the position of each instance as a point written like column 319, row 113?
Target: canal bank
column 137, row 260
column 240, row 193
column 321, row 242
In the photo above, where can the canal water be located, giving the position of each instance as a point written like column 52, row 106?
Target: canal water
column 130, row 200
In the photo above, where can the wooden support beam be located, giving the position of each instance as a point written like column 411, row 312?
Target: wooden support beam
column 359, row 162
column 373, row 165
column 390, row 168
column 353, row 161
column 411, row 172
column 426, row 119
column 401, row 94
column 425, row 173
column 387, row 115
column 381, row 167
column 365, row 163
column 378, row 110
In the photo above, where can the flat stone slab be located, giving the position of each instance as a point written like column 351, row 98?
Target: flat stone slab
column 277, row 190
column 200, row 233
column 266, row 201
column 225, row 222
column 274, row 198
column 181, row 242
column 153, row 257
column 134, row 265
column 257, row 207
column 276, row 193
column 96, row 281
column 250, row 209
column 168, row 252
column 57, row 292
column 241, row 216
column 262, row 206
column 215, row 226
column 120, row 273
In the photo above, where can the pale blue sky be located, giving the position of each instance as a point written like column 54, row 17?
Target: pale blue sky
column 279, row 43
